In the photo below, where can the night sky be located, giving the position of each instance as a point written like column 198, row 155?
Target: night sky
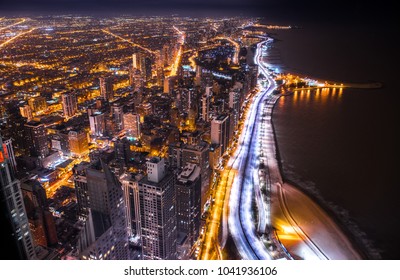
column 309, row 10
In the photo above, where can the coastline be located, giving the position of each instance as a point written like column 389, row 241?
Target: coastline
column 346, row 225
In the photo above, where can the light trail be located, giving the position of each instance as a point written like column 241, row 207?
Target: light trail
column 175, row 64
column 241, row 224
column 128, row 41
column 177, row 30
column 15, row 37
column 11, row 25
column 230, row 188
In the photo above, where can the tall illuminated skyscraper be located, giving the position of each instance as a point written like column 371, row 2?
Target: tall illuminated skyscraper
column 38, row 104
column 69, row 103
column 26, row 112
column 104, row 235
column 117, row 111
column 188, row 189
column 97, row 124
column 78, row 142
column 106, row 88
column 132, row 124
column 158, row 212
column 220, row 131
column 14, row 220
column 36, row 139
column 234, row 103
column 9, row 151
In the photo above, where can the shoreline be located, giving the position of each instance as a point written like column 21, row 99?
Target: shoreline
column 355, row 235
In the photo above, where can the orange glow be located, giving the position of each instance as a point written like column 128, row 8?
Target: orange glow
column 15, row 37
column 130, row 42
column 11, row 25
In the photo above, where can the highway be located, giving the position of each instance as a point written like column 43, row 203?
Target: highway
column 246, row 182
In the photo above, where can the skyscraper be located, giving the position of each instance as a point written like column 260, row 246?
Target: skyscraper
column 220, row 131
column 188, row 188
column 205, row 107
column 199, row 154
column 158, row 212
column 38, row 104
column 81, row 189
column 26, row 112
column 118, row 115
column 132, row 124
column 97, row 124
column 234, row 104
column 69, row 103
column 131, row 195
column 36, row 139
column 105, row 234
column 136, row 61
column 9, row 153
column 78, row 142
column 13, row 216
column 41, row 221
column 106, row 88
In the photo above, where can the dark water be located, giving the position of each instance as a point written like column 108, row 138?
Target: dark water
column 343, row 146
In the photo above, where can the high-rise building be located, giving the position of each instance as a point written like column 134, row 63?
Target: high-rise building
column 69, row 103
column 16, row 128
column 144, row 109
column 60, row 142
column 137, row 80
column 105, row 234
column 253, row 75
column 38, row 104
column 136, row 61
column 130, row 185
column 179, row 155
column 41, row 221
column 13, row 215
column 147, row 69
column 158, row 212
column 234, row 104
column 205, row 107
column 36, row 139
column 188, row 188
column 199, row 154
column 220, row 131
column 26, row 112
column 106, row 88
column 97, row 124
column 81, row 188
column 117, row 111
column 168, row 82
column 132, row 125
column 78, row 142
column 9, row 154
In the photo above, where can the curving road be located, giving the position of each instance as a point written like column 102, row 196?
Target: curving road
column 245, row 161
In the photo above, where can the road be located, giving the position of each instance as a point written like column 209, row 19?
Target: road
column 246, row 182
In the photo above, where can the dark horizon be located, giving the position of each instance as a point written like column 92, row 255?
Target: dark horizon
column 286, row 11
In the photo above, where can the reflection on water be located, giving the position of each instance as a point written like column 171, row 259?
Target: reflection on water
column 318, row 95
column 330, row 137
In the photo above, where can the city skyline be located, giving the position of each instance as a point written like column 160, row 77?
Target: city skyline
column 151, row 137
